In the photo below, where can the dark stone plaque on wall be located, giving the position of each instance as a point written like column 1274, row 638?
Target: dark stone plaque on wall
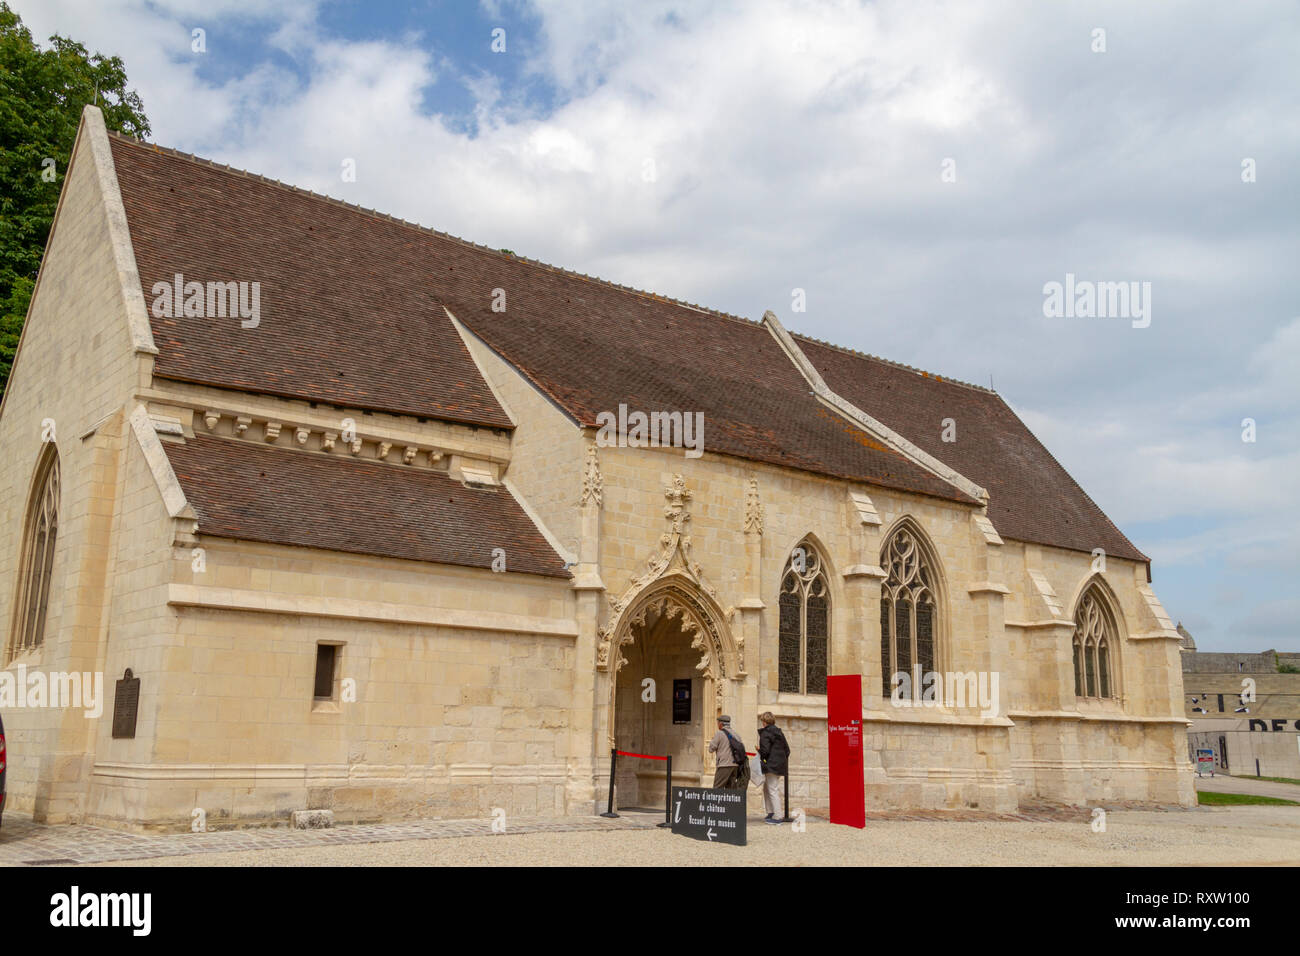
column 126, row 705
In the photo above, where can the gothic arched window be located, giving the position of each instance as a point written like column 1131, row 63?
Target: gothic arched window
column 908, row 617
column 803, row 658
column 1094, row 643
column 37, row 563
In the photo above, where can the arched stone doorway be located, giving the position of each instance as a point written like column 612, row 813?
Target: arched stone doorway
column 667, row 625
column 658, row 659
column 673, row 633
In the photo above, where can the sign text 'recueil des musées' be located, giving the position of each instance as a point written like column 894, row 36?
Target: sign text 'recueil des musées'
column 715, row 816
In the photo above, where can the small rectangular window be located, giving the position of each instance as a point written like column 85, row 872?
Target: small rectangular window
column 326, row 657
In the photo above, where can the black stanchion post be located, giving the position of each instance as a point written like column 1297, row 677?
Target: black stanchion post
column 613, row 763
column 668, row 796
column 787, row 792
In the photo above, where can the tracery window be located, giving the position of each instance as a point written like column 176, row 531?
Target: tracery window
column 37, row 564
column 803, row 657
column 1094, row 642
column 908, row 617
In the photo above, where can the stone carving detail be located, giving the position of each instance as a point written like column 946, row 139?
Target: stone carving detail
column 672, row 559
column 246, row 426
column 672, row 604
column 706, row 660
column 676, row 511
column 593, row 485
column 753, row 509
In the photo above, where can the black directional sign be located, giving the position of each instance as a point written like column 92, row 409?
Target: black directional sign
column 715, row 816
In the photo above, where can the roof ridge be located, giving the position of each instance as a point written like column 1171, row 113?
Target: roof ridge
column 429, row 230
column 891, row 362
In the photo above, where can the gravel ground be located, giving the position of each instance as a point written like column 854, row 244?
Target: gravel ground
column 1218, row 836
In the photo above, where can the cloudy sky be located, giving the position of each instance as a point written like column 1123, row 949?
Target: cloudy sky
column 920, row 169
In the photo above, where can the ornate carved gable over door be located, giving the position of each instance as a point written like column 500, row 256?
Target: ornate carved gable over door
column 673, row 577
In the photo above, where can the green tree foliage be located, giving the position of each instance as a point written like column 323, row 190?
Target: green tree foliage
column 42, row 92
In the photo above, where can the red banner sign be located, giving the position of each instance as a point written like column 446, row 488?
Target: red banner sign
column 844, row 746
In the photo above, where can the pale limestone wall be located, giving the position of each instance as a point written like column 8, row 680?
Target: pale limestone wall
column 924, row 757
column 1082, row 751
column 942, row 766
column 76, row 365
column 448, row 721
column 1200, row 662
column 141, row 628
column 960, row 764
column 917, row 757
column 546, row 449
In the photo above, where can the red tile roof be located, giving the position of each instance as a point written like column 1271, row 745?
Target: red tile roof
column 352, row 304
column 352, row 315
column 1031, row 497
column 254, row 492
column 349, row 308
column 591, row 347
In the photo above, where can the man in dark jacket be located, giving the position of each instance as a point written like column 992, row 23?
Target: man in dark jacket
column 774, row 755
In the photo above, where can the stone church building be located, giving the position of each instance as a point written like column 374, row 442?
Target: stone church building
column 339, row 493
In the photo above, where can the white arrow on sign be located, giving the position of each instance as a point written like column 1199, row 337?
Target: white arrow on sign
column 711, row 834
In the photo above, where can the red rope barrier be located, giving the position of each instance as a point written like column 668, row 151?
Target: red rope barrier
column 628, row 753
column 624, row 753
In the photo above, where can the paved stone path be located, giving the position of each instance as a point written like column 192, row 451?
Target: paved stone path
column 1222, row 783
column 1215, row 836
column 24, row 843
